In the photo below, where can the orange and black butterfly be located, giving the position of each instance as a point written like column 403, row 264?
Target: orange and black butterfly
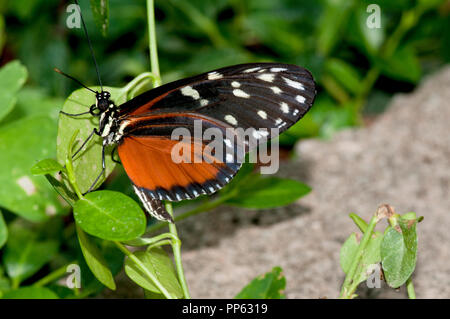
column 256, row 95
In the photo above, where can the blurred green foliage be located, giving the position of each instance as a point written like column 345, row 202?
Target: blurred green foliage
column 357, row 70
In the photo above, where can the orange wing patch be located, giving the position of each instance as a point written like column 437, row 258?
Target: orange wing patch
column 148, row 163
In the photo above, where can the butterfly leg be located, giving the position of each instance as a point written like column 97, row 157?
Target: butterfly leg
column 84, row 143
column 112, row 156
column 79, row 114
column 101, row 173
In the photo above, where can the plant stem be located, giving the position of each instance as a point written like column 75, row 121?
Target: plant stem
column 410, row 289
column 69, row 167
column 176, row 247
column 152, row 43
column 56, row 274
column 135, row 82
column 149, row 241
column 144, row 269
column 349, row 287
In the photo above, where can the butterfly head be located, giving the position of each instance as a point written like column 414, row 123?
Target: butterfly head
column 103, row 101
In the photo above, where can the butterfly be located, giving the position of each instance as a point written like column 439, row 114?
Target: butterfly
column 267, row 97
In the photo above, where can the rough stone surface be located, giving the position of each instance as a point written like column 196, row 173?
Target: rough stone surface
column 402, row 159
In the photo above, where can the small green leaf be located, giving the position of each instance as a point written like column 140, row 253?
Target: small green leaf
column 399, row 252
column 95, row 260
column 403, row 65
column 361, row 223
column 46, row 166
column 88, row 163
column 345, row 74
column 269, row 286
column 24, row 254
column 3, row 231
column 62, row 190
column 267, row 192
column 110, row 215
column 31, row 293
column 158, row 263
column 332, row 21
column 100, row 10
column 371, row 255
column 12, row 76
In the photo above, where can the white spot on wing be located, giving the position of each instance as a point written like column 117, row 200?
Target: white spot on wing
column 27, row 185
column 300, row 98
column 204, row 102
column 279, row 123
column 276, row 90
column 240, row 93
column 268, row 77
column 235, row 84
column 189, row 91
column 262, row 114
column 294, row 84
column 284, row 107
column 214, row 75
column 230, row 119
column 229, row 158
column 252, row 70
column 278, row 69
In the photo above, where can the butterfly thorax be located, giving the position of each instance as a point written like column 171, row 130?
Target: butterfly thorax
column 108, row 122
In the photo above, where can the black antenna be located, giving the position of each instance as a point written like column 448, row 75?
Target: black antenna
column 90, row 45
column 72, row 78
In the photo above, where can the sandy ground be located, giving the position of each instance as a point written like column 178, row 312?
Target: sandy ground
column 402, row 159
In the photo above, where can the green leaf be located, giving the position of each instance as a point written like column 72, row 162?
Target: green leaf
column 158, row 263
column 361, row 223
column 267, row 192
column 399, row 252
column 88, row 163
column 269, row 286
column 306, row 127
column 95, row 260
column 371, row 255
column 100, row 10
column 30, row 293
column 62, row 190
column 345, row 74
column 28, row 98
column 22, row 143
column 403, row 65
column 3, row 231
column 332, row 21
column 110, row 215
column 12, row 76
column 46, row 166
column 24, row 255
